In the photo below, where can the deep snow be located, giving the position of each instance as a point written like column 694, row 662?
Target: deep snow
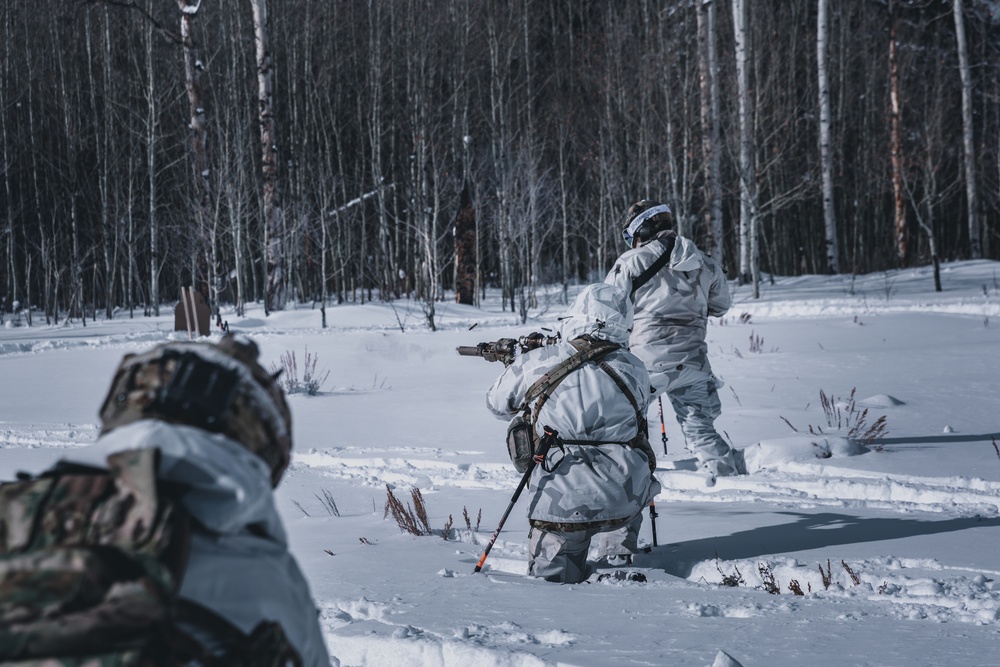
column 894, row 547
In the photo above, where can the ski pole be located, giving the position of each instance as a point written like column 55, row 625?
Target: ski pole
column 652, row 519
column 663, row 426
column 510, row 506
column 538, row 458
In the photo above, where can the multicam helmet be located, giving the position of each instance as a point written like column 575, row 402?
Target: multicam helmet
column 218, row 387
column 644, row 219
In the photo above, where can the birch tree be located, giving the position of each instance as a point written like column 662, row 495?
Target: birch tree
column 152, row 126
column 928, row 182
column 896, row 142
column 968, row 141
column 711, row 144
column 825, row 145
column 201, row 200
column 10, row 242
column 749, row 252
column 70, row 102
column 500, row 56
column 274, row 219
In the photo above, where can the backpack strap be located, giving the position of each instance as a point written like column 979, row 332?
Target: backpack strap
column 588, row 349
column 639, row 419
column 625, row 390
column 655, row 267
column 641, row 439
column 201, row 633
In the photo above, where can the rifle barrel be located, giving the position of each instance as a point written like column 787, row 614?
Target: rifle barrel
column 469, row 351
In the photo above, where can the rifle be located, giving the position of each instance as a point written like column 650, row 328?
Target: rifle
column 504, row 349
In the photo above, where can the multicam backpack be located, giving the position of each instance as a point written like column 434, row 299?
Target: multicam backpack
column 90, row 564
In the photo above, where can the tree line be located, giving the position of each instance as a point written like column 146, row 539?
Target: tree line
column 322, row 151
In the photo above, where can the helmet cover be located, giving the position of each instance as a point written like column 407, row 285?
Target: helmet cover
column 219, row 387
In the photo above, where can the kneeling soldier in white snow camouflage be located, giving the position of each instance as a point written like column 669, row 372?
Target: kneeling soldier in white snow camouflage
column 675, row 288
column 597, row 476
column 160, row 545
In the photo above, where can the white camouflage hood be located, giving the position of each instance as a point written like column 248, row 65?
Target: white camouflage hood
column 601, row 310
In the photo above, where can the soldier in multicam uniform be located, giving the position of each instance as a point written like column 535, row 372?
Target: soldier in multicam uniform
column 597, row 478
column 204, row 428
column 682, row 288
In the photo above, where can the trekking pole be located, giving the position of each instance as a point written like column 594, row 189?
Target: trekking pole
column 652, row 519
column 538, row 458
column 510, row 506
column 663, row 426
column 652, row 503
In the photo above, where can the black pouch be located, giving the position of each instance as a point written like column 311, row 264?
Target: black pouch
column 522, row 443
column 641, row 442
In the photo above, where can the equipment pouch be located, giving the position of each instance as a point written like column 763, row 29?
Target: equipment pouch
column 522, row 443
column 641, row 442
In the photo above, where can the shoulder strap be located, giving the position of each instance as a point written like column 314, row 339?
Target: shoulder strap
column 654, row 268
column 641, row 440
column 588, row 349
column 625, row 390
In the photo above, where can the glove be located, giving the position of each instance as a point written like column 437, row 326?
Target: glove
column 502, row 350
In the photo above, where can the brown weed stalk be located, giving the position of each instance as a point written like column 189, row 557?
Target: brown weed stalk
column 409, row 520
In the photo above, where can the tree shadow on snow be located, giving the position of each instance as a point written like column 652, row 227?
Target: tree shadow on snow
column 808, row 531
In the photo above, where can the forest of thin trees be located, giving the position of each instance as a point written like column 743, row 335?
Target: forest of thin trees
column 320, row 151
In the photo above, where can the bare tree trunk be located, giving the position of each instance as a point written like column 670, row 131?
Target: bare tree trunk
column 102, row 125
column 376, row 131
column 749, row 257
column 564, row 214
column 711, row 143
column 465, row 249
column 11, row 246
column 198, row 127
column 969, row 153
column 895, row 143
column 70, row 123
column 563, row 152
column 534, row 242
column 825, row 147
column 679, row 172
column 274, row 219
column 152, row 134
column 130, row 279
column 499, row 59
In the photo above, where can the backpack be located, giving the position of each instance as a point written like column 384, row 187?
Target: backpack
column 90, row 564
column 522, row 439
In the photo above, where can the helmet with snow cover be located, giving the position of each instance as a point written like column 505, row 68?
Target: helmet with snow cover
column 644, row 219
column 219, row 387
column 602, row 311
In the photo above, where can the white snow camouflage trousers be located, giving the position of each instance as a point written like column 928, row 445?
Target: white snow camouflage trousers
column 697, row 406
column 561, row 556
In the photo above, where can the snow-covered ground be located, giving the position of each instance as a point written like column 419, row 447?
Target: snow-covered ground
column 892, row 550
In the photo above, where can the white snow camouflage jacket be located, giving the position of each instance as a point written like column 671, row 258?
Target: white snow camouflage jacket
column 585, row 483
column 239, row 565
column 672, row 309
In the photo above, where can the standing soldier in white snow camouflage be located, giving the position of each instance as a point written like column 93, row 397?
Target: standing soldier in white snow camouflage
column 675, row 288
column 597, row 476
